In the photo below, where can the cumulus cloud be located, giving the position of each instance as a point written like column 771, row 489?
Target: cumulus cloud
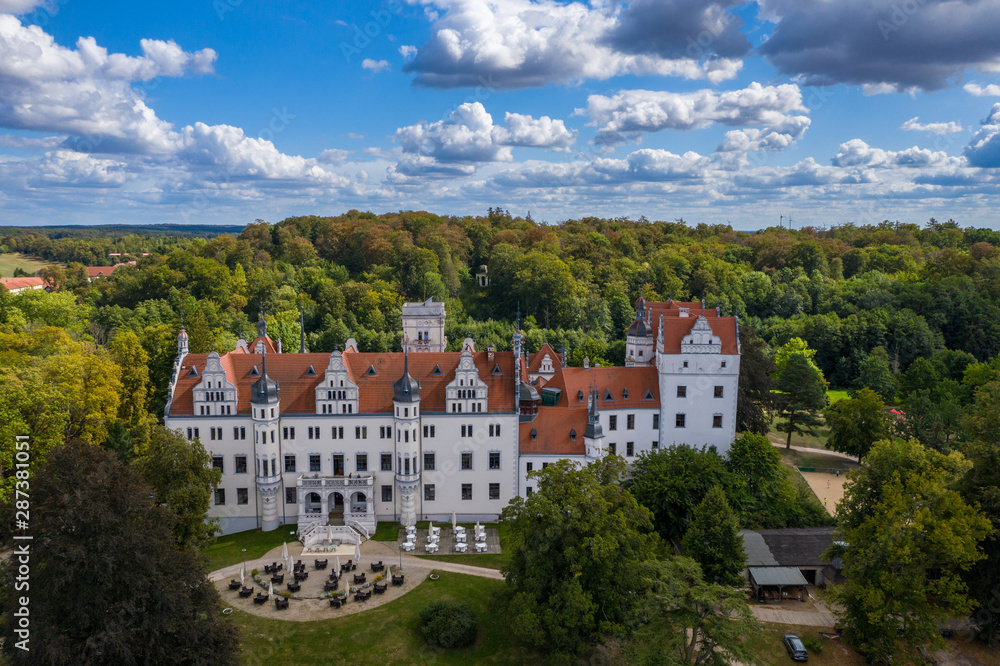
column 29, row 143
column 939, row 129
column 375, row 66
column 18, row 6
column 991, row 90
column 754, row 140
column 927, row 44
column 629, row 113
column 407, row 50
column 984, row 148
column 469, row 136
column 856, row 153
column 334, row 156
column 526, row 43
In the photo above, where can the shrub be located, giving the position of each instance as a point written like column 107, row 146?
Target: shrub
column 254, row 573
column 812, row 644
column 449, row 624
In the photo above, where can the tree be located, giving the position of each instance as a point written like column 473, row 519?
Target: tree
column 108, row 584
column 88, row 378
column 671, row 482
column 692, row 621
column 132, row 360
column 857, row 423
column 802, row 394
column 713, row 540
column 911, row 536
column 875, row 374
column 183, row 478
column 754, row 398
column 578, row 548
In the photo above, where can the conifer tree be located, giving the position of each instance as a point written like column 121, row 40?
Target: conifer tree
column 714, row 542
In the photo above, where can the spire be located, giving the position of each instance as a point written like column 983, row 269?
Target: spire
column 262, row 325
column 302, row 330
column 265, row 389
column 517, row 322
column 594, row 429
column 406, row 388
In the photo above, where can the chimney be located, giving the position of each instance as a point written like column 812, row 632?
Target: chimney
column 490, row 352
column 718, row 311
column 562, row 354
column 586, row 363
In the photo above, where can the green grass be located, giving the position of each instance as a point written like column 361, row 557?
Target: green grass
column 8, row 262
column 817, row 441
column 817, row 460
column 770, row 649
column 387, row 634
column 228, row 549
column 386, row 532
column 837, row 395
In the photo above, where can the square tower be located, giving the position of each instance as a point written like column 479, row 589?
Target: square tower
column 423, row 327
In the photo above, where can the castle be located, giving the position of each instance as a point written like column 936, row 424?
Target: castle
column 351, row 438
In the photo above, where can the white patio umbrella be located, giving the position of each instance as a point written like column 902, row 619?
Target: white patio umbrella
column 329, row 534
column 430, row 528
column 284, row 550
column 454, row 520
column 290, row 567
column 357, row 553
column 270, row 590
column 338, row 565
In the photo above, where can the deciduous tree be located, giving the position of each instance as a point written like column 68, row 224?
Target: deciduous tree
column 713, row 540
column 856, row 423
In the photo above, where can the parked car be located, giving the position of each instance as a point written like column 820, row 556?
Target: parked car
column 796, row 650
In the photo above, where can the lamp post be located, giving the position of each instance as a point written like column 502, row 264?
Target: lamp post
column 244, row 559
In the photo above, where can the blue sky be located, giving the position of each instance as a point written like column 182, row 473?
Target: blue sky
column 224, row 111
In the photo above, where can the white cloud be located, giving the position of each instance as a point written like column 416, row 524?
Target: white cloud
column 991, row 90
column 29, row 143
column 375, row 65
column 407, row 51
column 629, row 113
column 939, row 129
column 984, row 148
column 18, row 6
column 334, row 156
column 525, row 43
column 856, row 153
column 522, row 130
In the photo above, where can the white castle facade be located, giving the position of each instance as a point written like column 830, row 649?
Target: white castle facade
column 352, row 438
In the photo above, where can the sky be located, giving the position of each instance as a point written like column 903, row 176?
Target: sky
column 717, row 111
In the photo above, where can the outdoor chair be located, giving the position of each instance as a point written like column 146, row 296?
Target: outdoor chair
column 260, row 599
column 336, row 602
column 380, row 588
column 301, row 575
column 321, row 564
column 246, row 592
column 280, row 603
column 397, row 580
column 234, row 585
column 294, row 587
column 359, row 578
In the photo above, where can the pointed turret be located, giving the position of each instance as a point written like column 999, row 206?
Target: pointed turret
column 261, row 324
column 264, row 390
column 594, row 429
column 406, row 388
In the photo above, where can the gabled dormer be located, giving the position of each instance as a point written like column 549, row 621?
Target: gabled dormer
column 337, row 393
column 466, row 393
column 214, row 395
column 701, row 340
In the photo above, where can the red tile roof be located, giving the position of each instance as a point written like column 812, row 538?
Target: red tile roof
column 553, row 426
column 536, row 359
column 297, row 391
column 17, row 283
column 614, row 380
column 105, row 271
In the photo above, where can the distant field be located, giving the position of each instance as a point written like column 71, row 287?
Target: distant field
column 837, row 395
column 8, row 262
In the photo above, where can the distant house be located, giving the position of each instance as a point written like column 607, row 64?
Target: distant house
column 94, row 272
column 788, row 557
column 16, row 285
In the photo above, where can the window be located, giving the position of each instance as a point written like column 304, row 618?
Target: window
column 630, row 449
column 428, row 461
column 291, row 496
column 428, row 431
column 289, row 462
column 361, row 432
column 529, row 467
column 314, row 462
column 718, row 391
column 272, row 436
column 338, row 433
column 612, row 448
column 630, row 422
column 723, row 364
column 494, row 460
column 463, row 430
column 197, row 435
column 685, row 364
column 613, row 422
column 386, row 493
column 241, row 465
column 466, row 491
column 494, row 491
column 386, row 462
column 656, row 421
column 528, row 491
column 682, row 391
column 655, row 445
column 429, row 492
column 494, row 430
column 679, row 421
column 242, row 496
column 406, row 411
column 467, row 460
column 385, row 432
column 220, row 496
column 190, row 434
column 217, row 464
column 717, row 421
column 362, row 462
column 212, row 433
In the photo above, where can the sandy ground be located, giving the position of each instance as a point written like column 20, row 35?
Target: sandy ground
column 829, row 488
column 307, row 608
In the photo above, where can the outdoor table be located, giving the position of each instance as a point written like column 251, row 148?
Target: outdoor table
column 234, row 585
column 460, row 537
column 461, row 547
column 397, row 580
column 408, row 546
column 431, row 548
column 480, row 546
column 294, row 587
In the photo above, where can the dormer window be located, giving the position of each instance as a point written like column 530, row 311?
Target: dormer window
column 625, row 393
column 254, row 372
column 572, row 434
column 607, row 395
column 534, row 434
column 371, row 371
column 579, row 395
column 648, row 396
column 437, row 370
column 311, row 372
column 496, row 369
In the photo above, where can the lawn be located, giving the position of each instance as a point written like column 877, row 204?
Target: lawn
column 816, row 460
column 817, row 441
column 769, row 648
column 228, row 549
column 837, row 395
column 8, row 262
column 387, row 634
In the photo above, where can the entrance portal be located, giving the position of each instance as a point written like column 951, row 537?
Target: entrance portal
column 336, row 516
